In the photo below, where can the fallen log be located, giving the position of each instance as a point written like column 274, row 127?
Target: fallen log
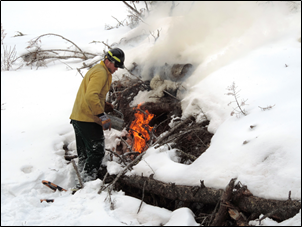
column 173, row 191
column 249, row 204
column 278, row 210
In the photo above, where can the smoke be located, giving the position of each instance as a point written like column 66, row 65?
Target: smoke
column 210, row 35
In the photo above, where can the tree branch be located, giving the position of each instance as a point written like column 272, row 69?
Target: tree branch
column 62, row 38
column 132, row 8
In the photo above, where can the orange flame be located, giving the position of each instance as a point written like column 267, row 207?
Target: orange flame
column 140, row 127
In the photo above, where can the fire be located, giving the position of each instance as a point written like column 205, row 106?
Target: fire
column 139, row 129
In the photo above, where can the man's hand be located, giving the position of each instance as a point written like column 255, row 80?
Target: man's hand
column 106, row 122
column 108, row 107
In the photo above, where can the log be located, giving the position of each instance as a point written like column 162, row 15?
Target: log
column 280, row 209
column 173, row 191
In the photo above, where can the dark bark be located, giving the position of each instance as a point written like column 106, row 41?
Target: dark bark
column 238, row 216
column 222, row 213
column 172, row 191
column 279, row 210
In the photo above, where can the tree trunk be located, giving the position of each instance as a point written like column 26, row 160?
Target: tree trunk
column 278, row 209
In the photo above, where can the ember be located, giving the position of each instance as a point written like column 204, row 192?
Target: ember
column 140, row 129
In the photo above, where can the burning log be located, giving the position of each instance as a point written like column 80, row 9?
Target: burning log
column 140, row 129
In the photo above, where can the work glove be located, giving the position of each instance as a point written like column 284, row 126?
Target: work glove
column 108, row 107
column 106, row 122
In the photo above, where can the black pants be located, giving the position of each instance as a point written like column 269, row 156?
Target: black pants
column 90, row 143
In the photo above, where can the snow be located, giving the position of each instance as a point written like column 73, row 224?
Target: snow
column 253, row 45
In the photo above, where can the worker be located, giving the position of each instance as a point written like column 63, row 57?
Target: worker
column 88, row 115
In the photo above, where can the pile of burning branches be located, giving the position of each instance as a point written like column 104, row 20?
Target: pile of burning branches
column 149, row 124
column 147, row 121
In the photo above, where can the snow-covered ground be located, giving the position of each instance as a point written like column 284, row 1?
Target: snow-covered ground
column 255, row 46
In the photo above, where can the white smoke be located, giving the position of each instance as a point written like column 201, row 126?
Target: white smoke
column 215, row 33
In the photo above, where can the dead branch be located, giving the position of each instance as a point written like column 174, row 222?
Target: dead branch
column 223, row 210
column 77, row 172
column 131, row 153
column 118, row 21
column 155, row 37
column 123, row 172
column 146, row 6
column 214, row 212
column 191, row 157
column 142, row 198
column 143, row 112
column 40, row 58
column 136, row 17
column 63, row 50
column 266, row 108
column 171, row 95
column 80, row 73
column 116, row 154
column 160, row 140
column 128, row 146
column 34, row 41
column 70, row 157
column 109, row 47
column 134, row 10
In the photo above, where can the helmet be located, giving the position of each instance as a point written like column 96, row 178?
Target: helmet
column 116, row 56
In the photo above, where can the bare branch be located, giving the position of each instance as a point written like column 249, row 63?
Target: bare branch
column 34, row 41
column 134, row 10
column 142, row 197
column 266, row 108
column 109, row 47
column 77, row 172
column 118, row 21
column 116, row 154
column 122, row 172
column 80, row 72
column 146, row 6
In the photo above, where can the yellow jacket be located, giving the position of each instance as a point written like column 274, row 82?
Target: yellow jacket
column 90, row 100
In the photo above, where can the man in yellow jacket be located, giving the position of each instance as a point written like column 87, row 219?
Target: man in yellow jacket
column 88, row 115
